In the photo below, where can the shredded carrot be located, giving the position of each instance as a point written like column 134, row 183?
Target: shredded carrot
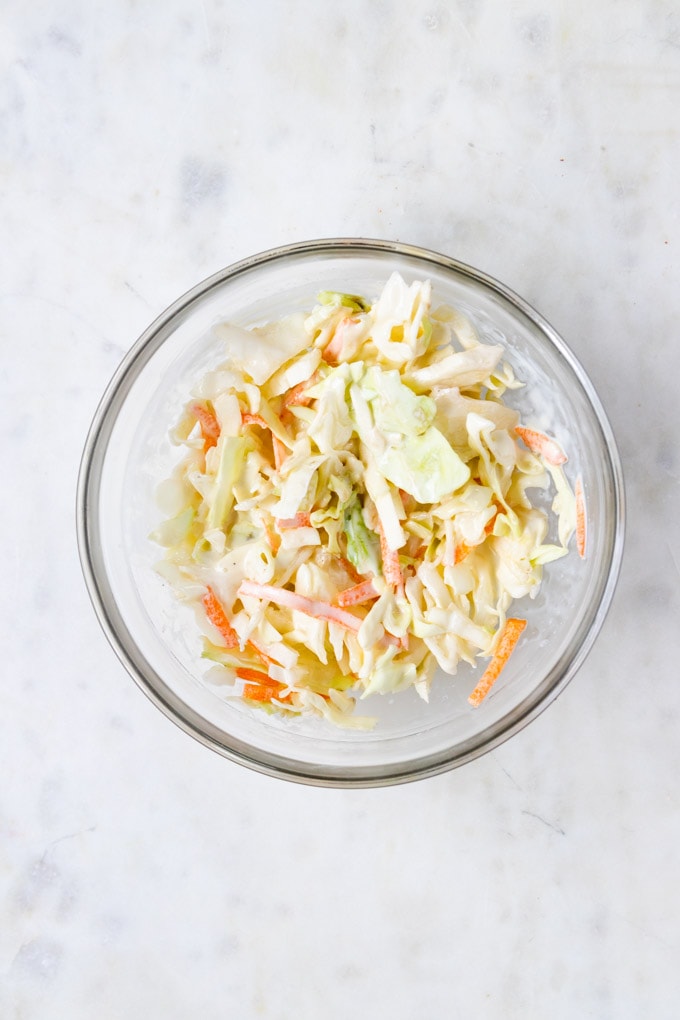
column 413, row 547
column 390, row 560
column 363, row 592
column 217, row 616
column 488, row 527
column 273, row 540
column 407, row 500
column 333, row 349
column 253, row 419
column 257, row 692
column 510, row 635
column 280, row 448
column 300, row 603
column 262, row 654
column 300, row 520
column 351, row 570
column 461, row 551
column 581, row 520
column 262, row 692
column 295, row 397
column 259, row 686
column 329, row 355
column 541, row 444
column 256, row 675
column 210, row 427
column 280, row 452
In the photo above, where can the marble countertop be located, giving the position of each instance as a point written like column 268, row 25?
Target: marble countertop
column 147, row 145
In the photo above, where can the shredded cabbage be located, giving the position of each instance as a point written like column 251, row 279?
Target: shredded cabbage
column 353, row 506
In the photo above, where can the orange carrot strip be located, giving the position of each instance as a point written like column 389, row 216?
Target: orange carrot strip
column 510, row 635
column 300, row 603
column 333, row 349
column 541, row 444
column 253, row 419
column 295, row 396
column 273, row 540
column 350, row 569
column 488, row 528
column 581, row 521
column 461, row 551
column 256, row 675
column 363, row 592
column 210, row 427
column 259, row 686
column 390, row 560
column 257, row 692
column 331, row 353
column 280, row 452
column 261, row 654
column 408, row 501
column 413, row 547
column 217, row 616
column 300, row 520
column 263, row 692
column 264, row 653
column 279, row 447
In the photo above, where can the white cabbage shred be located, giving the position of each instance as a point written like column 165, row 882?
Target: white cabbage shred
column 352, row 510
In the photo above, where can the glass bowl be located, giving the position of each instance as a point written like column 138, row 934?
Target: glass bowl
column 128, row 452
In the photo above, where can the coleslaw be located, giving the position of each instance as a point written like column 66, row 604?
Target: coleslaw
column 353, row 508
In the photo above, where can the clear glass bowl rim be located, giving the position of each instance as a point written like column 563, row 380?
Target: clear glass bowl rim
column 106, row 611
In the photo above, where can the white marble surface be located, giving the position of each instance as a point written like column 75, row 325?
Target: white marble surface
column 145, row 145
